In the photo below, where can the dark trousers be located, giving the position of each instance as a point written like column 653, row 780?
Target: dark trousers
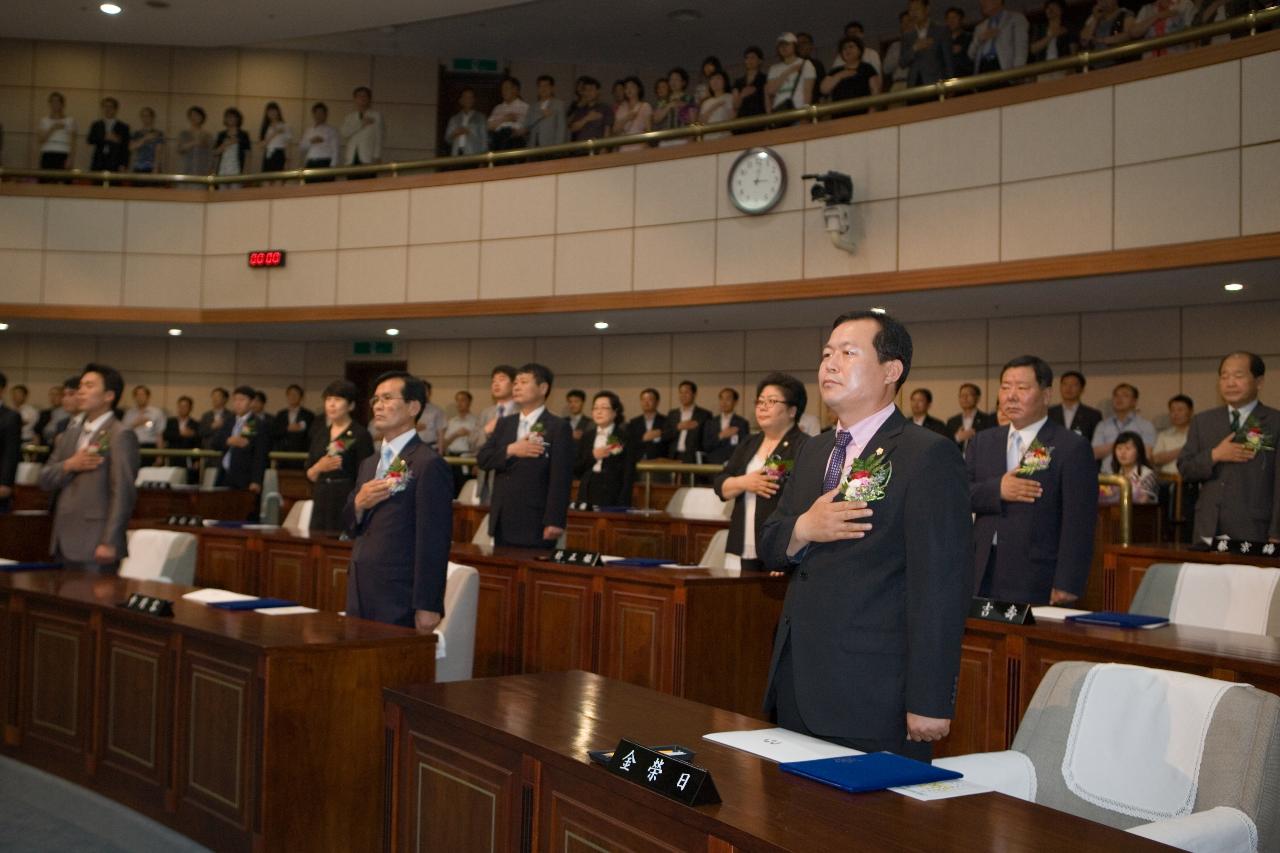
column 789, row 717
column 274, row 162
column 990, row 63
column 319, row 163
column 356, row 162
column 91, row 566
column 53, row 160
column 988, row 575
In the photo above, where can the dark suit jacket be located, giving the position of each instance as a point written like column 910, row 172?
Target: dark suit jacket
column 693, row 443
column 10, row 444
column 716, row 449
column 174, row 438
column 788, row 448
column 107, row 155
column 612, row 486
column 92, row 508
column 1044, row 545
column 981, row 421
column 400, row 557
column 930, row 64
column 1084, row 423
column 654, row 449
column 246, row 464
column 293, row 442
column 208, row 432
column 332, row 488
column 1237, row 499
column 935, row 425
column 875, row 624
column 528, row 494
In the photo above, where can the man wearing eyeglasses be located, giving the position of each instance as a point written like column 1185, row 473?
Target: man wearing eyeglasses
column 400, row 516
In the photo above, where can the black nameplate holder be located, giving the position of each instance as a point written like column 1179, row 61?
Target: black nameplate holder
column 581, row 506
column 1004, row 612
column 567, row 557
column 149, row 605
column 184, row 521
column 669, row 777
column 1245, row 548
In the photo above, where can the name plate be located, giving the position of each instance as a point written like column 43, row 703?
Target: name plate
column 576, row 558
column 1246, row 548
column 672, row 778
column 581, row 506
column 148, row 604
column 184, row 521
column 1005, row 612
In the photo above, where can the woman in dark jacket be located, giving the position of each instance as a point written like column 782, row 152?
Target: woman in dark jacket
column 606, row 462
column 338, row 446
column 759, row 469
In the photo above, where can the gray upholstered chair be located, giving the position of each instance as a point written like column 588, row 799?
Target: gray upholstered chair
column 1240, row 765
column 1155, row 596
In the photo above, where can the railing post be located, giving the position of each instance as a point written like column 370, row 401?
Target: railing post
column 648, row 489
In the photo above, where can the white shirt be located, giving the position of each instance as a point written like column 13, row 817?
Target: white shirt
column 1170, row 439
column 29, row 414
column 508, row 114
column 749, row 510
column 464, row 444
column 527, row 422
column 685, row 415
column 58, row 141
column 327, row 148
column 432, row 424
column 1025, row 437
column 726, row 421
column 361, row 139
column 602, row 439
column 147, row 423
column 281, row 139
column 794, row 87
column 1069, row 414
column 1245, row 410
column 90, row 428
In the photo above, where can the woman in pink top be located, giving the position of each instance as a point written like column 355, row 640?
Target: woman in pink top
column 634, row 114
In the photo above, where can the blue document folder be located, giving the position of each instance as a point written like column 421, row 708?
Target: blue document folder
column 1116, row 619
column 640, row 562
column 28, row 567
column 254, row 604
column 875, row 771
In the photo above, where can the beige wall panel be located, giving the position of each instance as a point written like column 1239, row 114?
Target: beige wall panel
column 1211, row 331
column 1115, row 335
column 876, row 227
column 1260, row 204
column 408, row 125
column 1260, row 108
column 682, row 190
column 21, row 222
column 870, row 158
column 230, row 283
column 1057, row 136
column 760, row 248
column 23, row 271
column 273, row 74
column 1176, row 201
column 17, row 61
column 948, row 343
column 593, row 262
column 196, row 355
column 308, row 278
column 1066, row 215
column 571, row 355
column 236, row 227
column 162, row 281
column 637, row 353
column 204, row 69
column 439, row 357
column 136, row 67
column 444, row 272
column 486, row 353
column 325, row 358
column 175, row 117
column 84, row 225
column 950, row 153
column 515, row 268
column 273, row 358
column 65, row 352
column 1055, row 339
column 17, row 105
column 20, row 153
column 332, row 76
column 520, row 207
column 707, row 351
column 595, row 200
column 68, row 65
column 1200, row 382
column 1178, row 114
column 960, row 227
column 682, row 255
column 373, row 219
column 444, row 214
column 406, row 79
column 82, row 278
column 128, row 354
column 304, row 224
column 796, row 351
column 372, row 275
column 796, row 195
column 164, row 227
column 13, row 347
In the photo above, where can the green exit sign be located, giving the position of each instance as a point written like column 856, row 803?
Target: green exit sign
column 373, row 348
column 484, row 65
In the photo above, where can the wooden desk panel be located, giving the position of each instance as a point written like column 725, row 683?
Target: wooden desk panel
column 25, row 535
column 1124, row 566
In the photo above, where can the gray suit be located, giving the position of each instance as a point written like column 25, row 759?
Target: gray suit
column 546, row 130
column 1237, row 499
column 930, row 64
column 476, row 140
column 93, row 507
column 1011, row 40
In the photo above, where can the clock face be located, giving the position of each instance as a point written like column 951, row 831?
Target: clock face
column 757, row 180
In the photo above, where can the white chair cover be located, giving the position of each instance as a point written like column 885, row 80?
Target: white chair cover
column 160, row 555
column 457, row 631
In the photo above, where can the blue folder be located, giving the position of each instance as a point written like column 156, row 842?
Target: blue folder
column 874, row 771
column 254, row 604
column 1115, row 619
column 640, row 562
column 28, row 567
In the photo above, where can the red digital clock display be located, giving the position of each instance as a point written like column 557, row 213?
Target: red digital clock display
column 271, row 258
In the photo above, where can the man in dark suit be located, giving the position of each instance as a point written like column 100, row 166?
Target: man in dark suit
column 645, row 430
column 1071, row 413
column 971, row 420
column 868, row 650
column 926, row 48
column 1034, row 492
column 289, row 428
column 110, row 140
column 10, row 447
column 1231, row 452
column 181, row 432
column 400, row 515
column 921, row 399
column 245, row 442
column 684, row 425
column 722, row 433
column 531, row 453
column 212, row 421
column 92, row 471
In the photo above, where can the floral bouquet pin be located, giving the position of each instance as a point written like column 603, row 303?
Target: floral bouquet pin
column 339, row 445
column 538, row 434
column 103, row 444
column 1252, row 436
column 1036, row 459
column 398, row 475
column 778, row 468
column 867, row 478
column 613, row 444
column 250, row 427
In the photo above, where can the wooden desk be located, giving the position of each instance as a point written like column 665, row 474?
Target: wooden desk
column 501, row 764
column 242, row 731
column 227, row 504
column 25, row 534
column 1123, row 567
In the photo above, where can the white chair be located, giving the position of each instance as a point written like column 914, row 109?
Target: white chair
column 458, row 628
column 28, row 474
column 698, row 502
column 209, row 477
column 713, row 556
column 168, row 556
column 299, row 517
column 470, row 494
column 481, row 536
column 161, row 474
column 1243, row 604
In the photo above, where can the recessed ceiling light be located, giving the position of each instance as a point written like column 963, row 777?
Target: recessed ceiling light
column 880, row 310
column 393, row 332
column 175, row 332
column 4, row 327
column 110, row 9
column 1233, row 287
column 684, row 16
column 601, row 325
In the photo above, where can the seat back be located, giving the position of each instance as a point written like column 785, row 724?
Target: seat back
column 1155, row 595
column 482, row 535
column 470, row 493
column 161, row 474
column 713, row 556
column 209, row 477
column 299, row 517
column 160, row 555
column 698, row 502
column 458, row 628
column 28, row 474
column 1240, row 766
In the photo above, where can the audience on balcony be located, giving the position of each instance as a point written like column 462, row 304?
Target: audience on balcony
column 109, row 139
column 544, row 122
column 319, row 144
column 195, row 145
column 634, row 114
column 506, row 120
column 362, row 131
column 678, row 109
column 590, row 117
column 791, row 79
column 57, row 135
column 1000, row 40
column 748, row 90
column 959, row 38
column 231, row 146
column 275, row 137
column 926, row 47
column 466, row 132
column 1107, row 26
column 1052, row 38
column 718, row 105
column 146, row 143
column 853, row 78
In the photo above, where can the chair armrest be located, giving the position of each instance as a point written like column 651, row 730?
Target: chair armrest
column 1009, row 772
column 1217, row 830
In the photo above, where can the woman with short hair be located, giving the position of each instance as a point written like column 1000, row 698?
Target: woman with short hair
column 339, row 444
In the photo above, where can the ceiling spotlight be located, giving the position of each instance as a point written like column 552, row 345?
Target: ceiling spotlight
column 1233, row 287
column 4, row 327
column 393, row 332
column 601, row 325
column 880, row 310
column 110, row 9
column 175, row 332
column 684, row 16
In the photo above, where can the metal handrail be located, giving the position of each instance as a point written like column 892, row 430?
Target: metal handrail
column 941, row 90
column 1126, row 504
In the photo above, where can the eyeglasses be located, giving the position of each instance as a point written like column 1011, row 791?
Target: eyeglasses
column 768, row 402
column 382, row 398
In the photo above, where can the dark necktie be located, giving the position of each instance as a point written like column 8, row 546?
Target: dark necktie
column 836, row 466
column 1235, row 420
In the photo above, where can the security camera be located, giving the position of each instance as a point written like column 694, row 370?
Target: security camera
column 835, row 191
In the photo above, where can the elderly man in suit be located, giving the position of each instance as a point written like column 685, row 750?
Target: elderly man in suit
column 10, row 447
column 1034, row 492
column 999, row 40
column 531, row 454
column 1231, row 452
column 926, row 48
column 92, row 471
column 868, row 650
column 400, row 515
